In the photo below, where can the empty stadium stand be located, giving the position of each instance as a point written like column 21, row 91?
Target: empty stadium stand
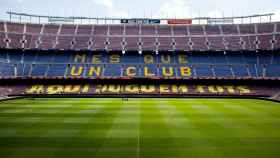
column 201, row 51
column 169, row 57
column 185, row 65
column 227, row 37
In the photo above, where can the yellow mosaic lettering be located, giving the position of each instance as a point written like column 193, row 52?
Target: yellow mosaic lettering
column 131, row 71
column 215, row 89
column 80, row 58
column 164, row 88
column 165, row 59
column 147, row 72
column 99, row 88
column 243, row 90
column 96, row 59
column 148, row 59
column 200, row 89
column 104, row 88
column 182, row 59
column 35, row 89
column 185, row 71
column 94, row 71
column 74, row 71
column 115, row 58
column 183, row 89
column 85, row 88
column 55, row 89
column 132, row 88
column 114, row 88
column 72, row 89
column 230, row 89
column 167, row 72
column 148, row 88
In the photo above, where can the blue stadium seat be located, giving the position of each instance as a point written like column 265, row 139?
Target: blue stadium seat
column 39, row 69
column 235, row 58
column 237, row 64
column 15, row 57
column 44, row 58
column 29, row 57
column 112, row 70
column 273, row 71
column 61, row 58
column 240, row 71
column 218, row 58
column 203, row 71
column 253, row 71
column 131, row 59
column 57, row 70
column 222, row 71
column 200, row 58
column 250, row 58
column 276, row 59
column 23, row 70
column 260, row 70
column 264, row 58
column 3, row 57
column 7, row 70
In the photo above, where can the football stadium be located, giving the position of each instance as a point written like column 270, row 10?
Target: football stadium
column 139, row 87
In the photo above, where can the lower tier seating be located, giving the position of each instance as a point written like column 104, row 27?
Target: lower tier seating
column 139, row 70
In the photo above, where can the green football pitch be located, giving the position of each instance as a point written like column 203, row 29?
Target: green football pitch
column 139, row 128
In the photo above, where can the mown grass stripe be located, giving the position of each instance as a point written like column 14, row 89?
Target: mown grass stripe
column 139, row 128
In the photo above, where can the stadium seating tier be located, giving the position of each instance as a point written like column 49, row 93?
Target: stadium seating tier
column 263, row 36
column 182, row 65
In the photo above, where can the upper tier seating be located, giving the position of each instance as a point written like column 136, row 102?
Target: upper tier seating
column 264, row 36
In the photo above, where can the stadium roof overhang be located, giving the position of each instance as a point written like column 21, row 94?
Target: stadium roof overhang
column 110, row 20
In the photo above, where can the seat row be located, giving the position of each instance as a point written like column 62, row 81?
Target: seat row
column 135, row 58
column 139, row 71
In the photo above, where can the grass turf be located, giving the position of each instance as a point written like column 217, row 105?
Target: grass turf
column 139, row 128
